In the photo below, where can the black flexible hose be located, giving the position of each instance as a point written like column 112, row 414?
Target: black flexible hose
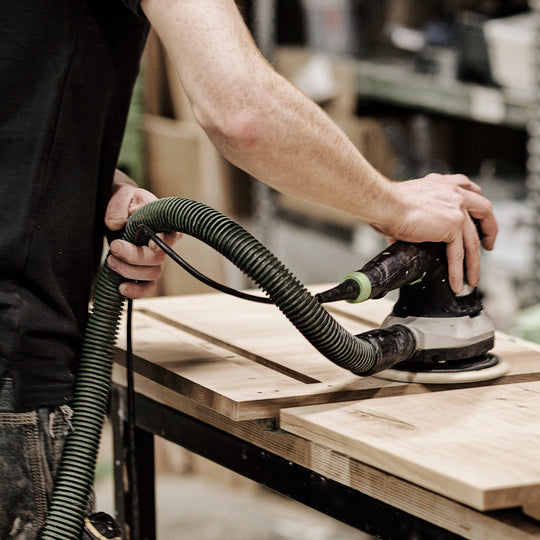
column 76, row 473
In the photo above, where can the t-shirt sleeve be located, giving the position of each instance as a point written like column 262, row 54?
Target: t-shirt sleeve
column 135, row 6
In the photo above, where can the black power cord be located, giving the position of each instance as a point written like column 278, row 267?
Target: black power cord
column 149, row 233
column 131, row 423
column 131, row 426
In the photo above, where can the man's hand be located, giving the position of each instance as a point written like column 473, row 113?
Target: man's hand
column 441, row 208
column 140, row 264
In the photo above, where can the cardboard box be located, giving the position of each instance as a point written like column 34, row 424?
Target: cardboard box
column 182, row 162
column 290, row 61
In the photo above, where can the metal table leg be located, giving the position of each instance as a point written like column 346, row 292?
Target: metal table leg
column 144, row 460
column 323, row 494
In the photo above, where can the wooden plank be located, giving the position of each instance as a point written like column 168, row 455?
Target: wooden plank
column 474, row 445
column 235, row 374
column 456, row 517
column 247, row 361
column 222, row 359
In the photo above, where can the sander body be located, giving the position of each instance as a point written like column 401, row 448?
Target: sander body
column 452, row 334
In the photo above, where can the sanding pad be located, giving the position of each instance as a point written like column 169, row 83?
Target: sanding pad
column 445, row 377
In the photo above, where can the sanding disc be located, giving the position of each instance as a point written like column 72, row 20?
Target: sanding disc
column 445, row 377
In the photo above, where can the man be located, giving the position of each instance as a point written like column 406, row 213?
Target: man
column 266, row 127
column 67, row 70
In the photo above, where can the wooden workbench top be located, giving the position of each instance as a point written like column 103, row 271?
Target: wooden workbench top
column 247, row 361
column 476, row 444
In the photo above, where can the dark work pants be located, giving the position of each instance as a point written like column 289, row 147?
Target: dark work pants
column 30, row 450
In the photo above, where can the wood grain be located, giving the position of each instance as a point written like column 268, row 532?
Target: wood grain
column 435, row 451
column 247, row 361
column 476, row 445
column 508, row 524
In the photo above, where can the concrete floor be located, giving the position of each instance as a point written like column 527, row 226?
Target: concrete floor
column 210, row 503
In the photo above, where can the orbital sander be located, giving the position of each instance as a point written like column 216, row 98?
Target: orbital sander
column 452, row 333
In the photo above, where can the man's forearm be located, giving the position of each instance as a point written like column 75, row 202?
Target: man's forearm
column 267, row 127
column 257, row 119
column 298, row 150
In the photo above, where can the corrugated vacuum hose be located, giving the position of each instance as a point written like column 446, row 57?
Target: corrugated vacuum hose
column 76, row 472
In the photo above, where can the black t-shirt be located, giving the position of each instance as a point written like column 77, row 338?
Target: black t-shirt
column 67, row 70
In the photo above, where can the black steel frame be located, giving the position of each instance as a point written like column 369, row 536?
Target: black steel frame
column 299, row 483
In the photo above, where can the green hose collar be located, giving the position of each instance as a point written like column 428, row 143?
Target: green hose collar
column 364, row 286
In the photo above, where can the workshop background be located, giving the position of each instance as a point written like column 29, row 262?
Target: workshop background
column 419, row 86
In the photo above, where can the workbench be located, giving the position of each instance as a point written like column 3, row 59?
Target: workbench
column 236, row 383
